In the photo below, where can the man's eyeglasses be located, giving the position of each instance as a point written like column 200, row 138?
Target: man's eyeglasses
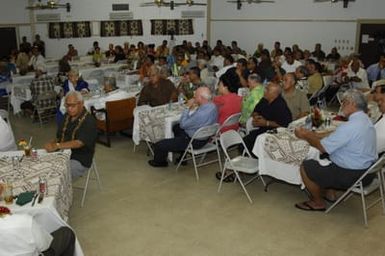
column 71, row 105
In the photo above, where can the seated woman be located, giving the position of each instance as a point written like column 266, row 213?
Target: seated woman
column 73, row 83
column 228, row 102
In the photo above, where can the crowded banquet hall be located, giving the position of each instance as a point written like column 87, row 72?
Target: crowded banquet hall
column 174, row 127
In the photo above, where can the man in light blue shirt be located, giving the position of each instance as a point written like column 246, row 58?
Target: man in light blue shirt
column 351, row 149
column 376, row 71
column 200, row 112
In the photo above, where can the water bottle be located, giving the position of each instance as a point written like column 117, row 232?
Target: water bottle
column 181, row 99
column 308, row 123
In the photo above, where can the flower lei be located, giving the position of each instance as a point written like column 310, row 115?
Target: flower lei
column 80, row 122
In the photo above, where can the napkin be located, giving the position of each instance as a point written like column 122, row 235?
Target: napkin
column 25, row 198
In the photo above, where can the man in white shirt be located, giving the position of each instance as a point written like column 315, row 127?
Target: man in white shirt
column 217, row 59
column 20, row 234
column 7, row 140
column 113, row 93
column 290, row 64
column 37, row 60
column 380, row 123
column 358, row 76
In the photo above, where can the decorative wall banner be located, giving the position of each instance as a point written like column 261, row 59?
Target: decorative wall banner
column 69, row 29
column 121, row 28
column 175, row 27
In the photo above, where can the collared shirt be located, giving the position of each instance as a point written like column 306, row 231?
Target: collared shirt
column 21, row 235
column 7, row 140
column 353, row 144
column 156, row 96
column 302, row 85
column 375, row 72
column 86, row 133
column 361, row 74
column 37, row 61
column 40, row 86
column 290, row 68
column 250, row 101
column 297, row 102
column 276, row 111
column 204, row 115
column 380, row 132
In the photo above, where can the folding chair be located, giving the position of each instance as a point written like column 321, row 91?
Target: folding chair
column 359, row 188
column 202, row 133
column 45, row 106
column 241, row 163
column 94, row 169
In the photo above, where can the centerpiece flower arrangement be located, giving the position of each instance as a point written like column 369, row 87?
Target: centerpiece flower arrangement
column 317, row 117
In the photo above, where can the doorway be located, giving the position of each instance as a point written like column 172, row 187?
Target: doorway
column 8, row 40
column 371, row 40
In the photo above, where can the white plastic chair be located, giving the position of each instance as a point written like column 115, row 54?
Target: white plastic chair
column 359, row 188
column 242, row 163
column 201, row 134
column 94, row 169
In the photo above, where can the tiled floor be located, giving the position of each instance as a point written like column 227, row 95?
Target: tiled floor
column 147, row 211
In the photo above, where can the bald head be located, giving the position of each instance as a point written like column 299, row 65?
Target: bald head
column 202, row 95
column 272, row 91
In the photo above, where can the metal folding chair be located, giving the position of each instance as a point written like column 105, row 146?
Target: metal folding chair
column 359, row 188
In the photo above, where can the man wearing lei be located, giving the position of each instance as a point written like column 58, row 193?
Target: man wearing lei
column 78, row 133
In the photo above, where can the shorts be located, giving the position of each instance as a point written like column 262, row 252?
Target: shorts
column 333, row 176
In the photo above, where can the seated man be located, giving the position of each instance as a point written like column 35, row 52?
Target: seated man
column 301, row 76
column 112, row 93
column 20, row 234
column 380, row 123
column 78, row 133
column 251, row 100
column 200, row 112
column 296, row 100
column 376, row 71
column 190, row 83
column 357, row 76
column 270, row 112
column 40, row 85
column 315, row 80
column 7, row 140
column 158, row 91
column 290, row 64
column 351, row 149
column 37, row 59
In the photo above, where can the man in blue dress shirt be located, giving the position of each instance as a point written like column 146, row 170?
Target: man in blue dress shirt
column 200, row 112
column 351, row 149
column 376, row 71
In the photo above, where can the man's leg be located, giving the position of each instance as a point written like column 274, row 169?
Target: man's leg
column 77, row 169
column 250, row 140
column 63, row 243
column 163, row 147
column 316, row 201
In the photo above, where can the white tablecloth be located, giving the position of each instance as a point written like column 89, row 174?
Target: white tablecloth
column 46, row 215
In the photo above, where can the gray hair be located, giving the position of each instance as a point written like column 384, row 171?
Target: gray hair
column 76, row 94
column 303, row 70
column 111, row 81
column 206, row 93
column 255, row 78
column 73, row 72
column 357, row 98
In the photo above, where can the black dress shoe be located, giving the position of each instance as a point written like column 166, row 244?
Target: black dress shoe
column 153, row 163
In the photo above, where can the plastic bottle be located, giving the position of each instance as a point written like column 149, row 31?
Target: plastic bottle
column 181, row 98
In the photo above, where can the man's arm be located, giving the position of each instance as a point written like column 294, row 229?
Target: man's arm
column 312, row 138
column 54, row 146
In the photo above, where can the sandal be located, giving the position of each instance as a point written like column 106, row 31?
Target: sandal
column 306, row 206
column 229, row 178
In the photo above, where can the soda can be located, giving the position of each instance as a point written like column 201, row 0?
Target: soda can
column 42, row 186
column 34, row 154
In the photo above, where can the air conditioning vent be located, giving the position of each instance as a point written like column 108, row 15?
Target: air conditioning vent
column 120, row 7
column 193, row 14
column 121, row 15
column 47, row 17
